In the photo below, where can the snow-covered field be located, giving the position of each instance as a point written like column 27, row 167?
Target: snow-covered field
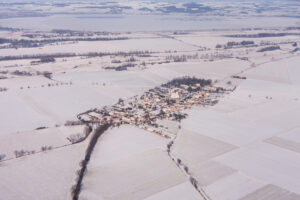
column 244, row 147
column 48, row 175
column 55, row 137
column 260, row 119
column 134, row 162
column 147, row 44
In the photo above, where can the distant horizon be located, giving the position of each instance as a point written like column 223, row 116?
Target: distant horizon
column 148, row 15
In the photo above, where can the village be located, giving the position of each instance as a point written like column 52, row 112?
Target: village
column 161, row 103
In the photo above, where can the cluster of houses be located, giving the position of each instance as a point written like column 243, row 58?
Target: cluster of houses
column 164, row 102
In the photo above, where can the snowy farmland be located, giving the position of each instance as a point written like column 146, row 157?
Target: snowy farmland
column 246, row 147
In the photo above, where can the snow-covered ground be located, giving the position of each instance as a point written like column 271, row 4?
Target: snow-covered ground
column 143, row 44
column 48, row 175
column 134, row 161
column 260, row 121
column 245, row 146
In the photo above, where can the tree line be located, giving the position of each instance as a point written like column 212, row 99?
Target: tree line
column 23, row 43
column 44, row 57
